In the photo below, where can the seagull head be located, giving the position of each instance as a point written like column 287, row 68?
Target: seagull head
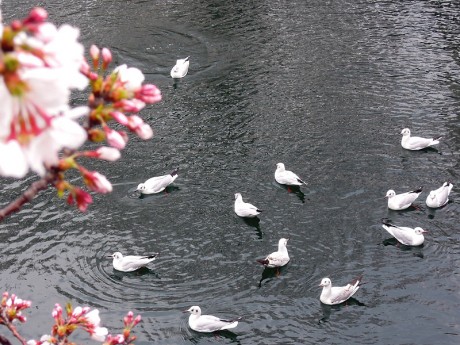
column 432, row 195
column 195, row 310
column 405, row 131
column 116, row 255
column 280, row 167
column 238, row 196
column 325, row 282
column 141, row 186
column 283, row 242
column 419, row 231
column 390, row 193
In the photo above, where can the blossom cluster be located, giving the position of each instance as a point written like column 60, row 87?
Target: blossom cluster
column 40, row 65
column 11, row 307
column 88, row 320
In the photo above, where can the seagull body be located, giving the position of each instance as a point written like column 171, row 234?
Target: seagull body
column 180, row 69
column 338, row 294
column 131, row 263
column 279, row 258
column 283, row 176
column 405, row 235
column 157, row 184
column 403, row 200
column 439, row 197
column 245, row 209
column 208, row 323
column 416, row 143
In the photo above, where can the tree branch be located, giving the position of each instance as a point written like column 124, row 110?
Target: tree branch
column 28, row 195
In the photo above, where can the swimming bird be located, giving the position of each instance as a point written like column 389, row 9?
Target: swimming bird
column 208, row 323
column 405, row 235
column 131, row 263
column 283, row 176
column 416, row 143
column 279, row 258
column 338, row 294
column 245, row 209
column 439, row 197
column 180, row 69
column 157, row 184
column 403, row 200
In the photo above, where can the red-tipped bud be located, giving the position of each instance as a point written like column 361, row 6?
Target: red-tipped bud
column 120, row 117
column 106, row 58
column 114, row 138
column 94, row 53
column 37, row 15
column 149, row 93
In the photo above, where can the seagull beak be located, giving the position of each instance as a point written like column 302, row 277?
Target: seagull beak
column 109, row 256
column 186, row 311
column 424, row 231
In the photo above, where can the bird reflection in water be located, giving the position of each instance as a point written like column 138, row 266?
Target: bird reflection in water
column 415, row 250
column 327, row 309
column 255, row 223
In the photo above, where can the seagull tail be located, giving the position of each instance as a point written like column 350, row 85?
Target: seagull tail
column 152, row 256
column 263, row 261
column 387, row 222
column 259, row 210
column 302, row 181
column 418, row 190
column 174, row 172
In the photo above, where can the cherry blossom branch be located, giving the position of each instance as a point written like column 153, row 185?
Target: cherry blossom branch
column 28, row 195
column 15, row 332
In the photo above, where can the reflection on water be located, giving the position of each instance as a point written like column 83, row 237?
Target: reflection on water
column 327, row 310
column 325, row 87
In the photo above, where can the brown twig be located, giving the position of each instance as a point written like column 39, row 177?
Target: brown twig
column 28, row 195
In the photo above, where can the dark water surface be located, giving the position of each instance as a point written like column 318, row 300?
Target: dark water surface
column 322, row 86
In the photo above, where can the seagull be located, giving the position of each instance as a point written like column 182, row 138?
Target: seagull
column 404, row 234
column 130, row 263
column 283, row 176
column 180, row 69
column 403, row 200
column 338, row 294
column 416, row 143
column 157, row 184
column 279, row 258
column 245, row 209
column 439, row 197
column 208, row 323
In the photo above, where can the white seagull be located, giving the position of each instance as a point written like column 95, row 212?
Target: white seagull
column 157, row 184
column 338, row 294
column 130, row 263
column 208, row 323
column 404, row 234
column 279, row 258
column 416, row 143
column 180, row 69
column 403, row 200
column 245, row 209
column 439, row 197
column 283, row 176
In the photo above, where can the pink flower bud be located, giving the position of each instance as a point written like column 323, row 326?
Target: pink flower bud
column 37, row 15
column 114, row 138
column 149, row 93
column 134, row 122
column 137, row 320
column 130, row 105
column 108, row 153
column 57, row 311
column 83, row 199
column 120, row 117
column 98, row 183
column 106, row 57
column 94, row 53
column 144, row 132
